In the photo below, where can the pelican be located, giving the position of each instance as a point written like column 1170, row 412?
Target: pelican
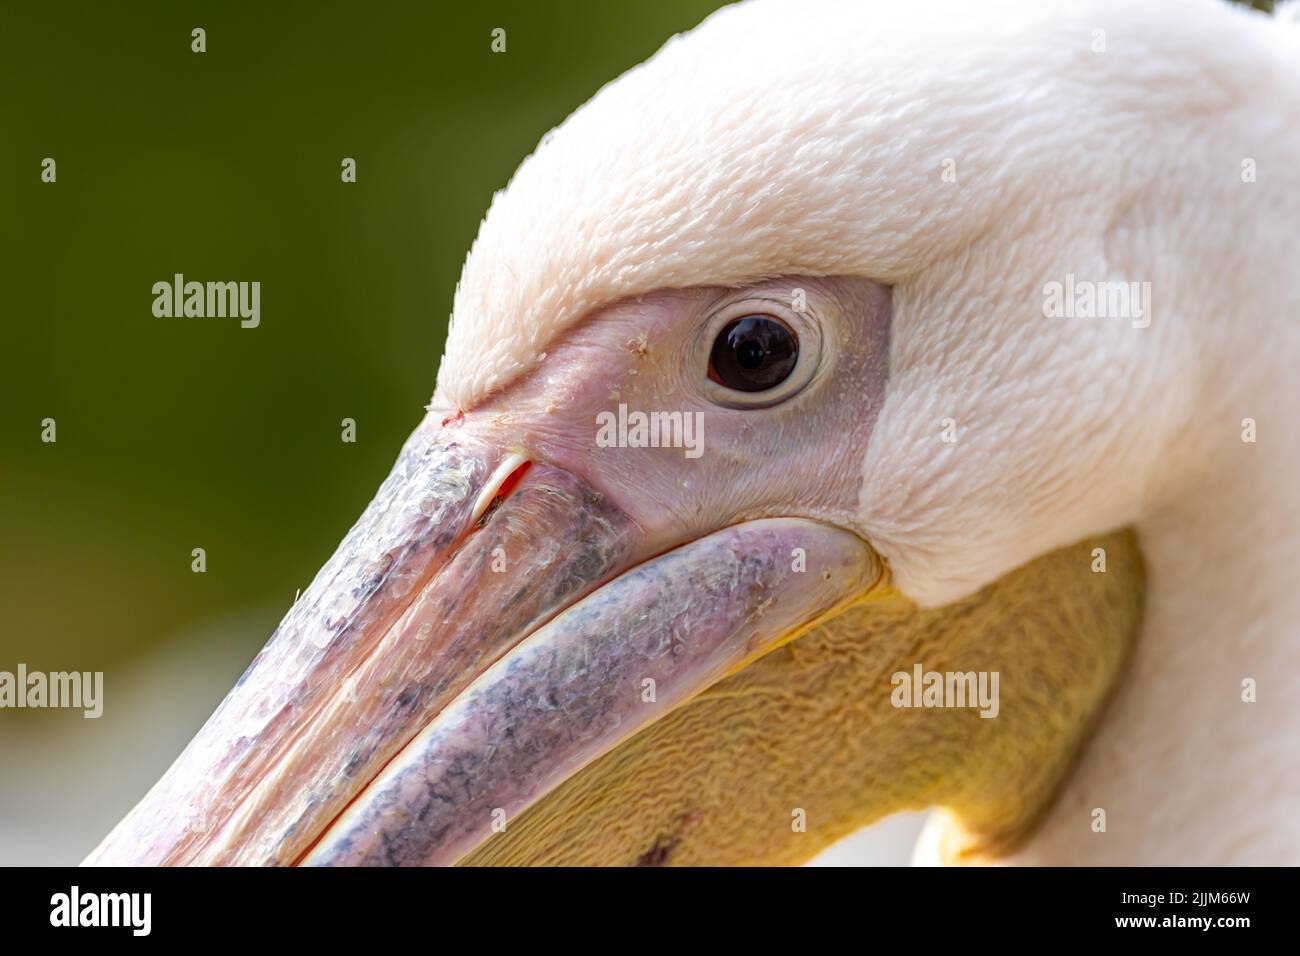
column 834, row 344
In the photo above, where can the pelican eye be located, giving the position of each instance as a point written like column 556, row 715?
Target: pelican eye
column 753, row 353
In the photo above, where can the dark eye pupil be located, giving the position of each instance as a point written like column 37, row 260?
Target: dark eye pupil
column 750, row 355
column 753, row 354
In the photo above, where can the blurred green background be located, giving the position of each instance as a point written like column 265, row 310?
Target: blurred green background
column 177, row 433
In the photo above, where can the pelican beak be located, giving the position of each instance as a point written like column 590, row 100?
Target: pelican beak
column 490, row 626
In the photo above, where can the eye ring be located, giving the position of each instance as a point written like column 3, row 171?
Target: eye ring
column 758, row 353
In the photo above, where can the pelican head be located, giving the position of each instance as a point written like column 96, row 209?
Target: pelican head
column 770, row 379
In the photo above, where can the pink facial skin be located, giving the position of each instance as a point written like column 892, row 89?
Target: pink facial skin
column 651, row 354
